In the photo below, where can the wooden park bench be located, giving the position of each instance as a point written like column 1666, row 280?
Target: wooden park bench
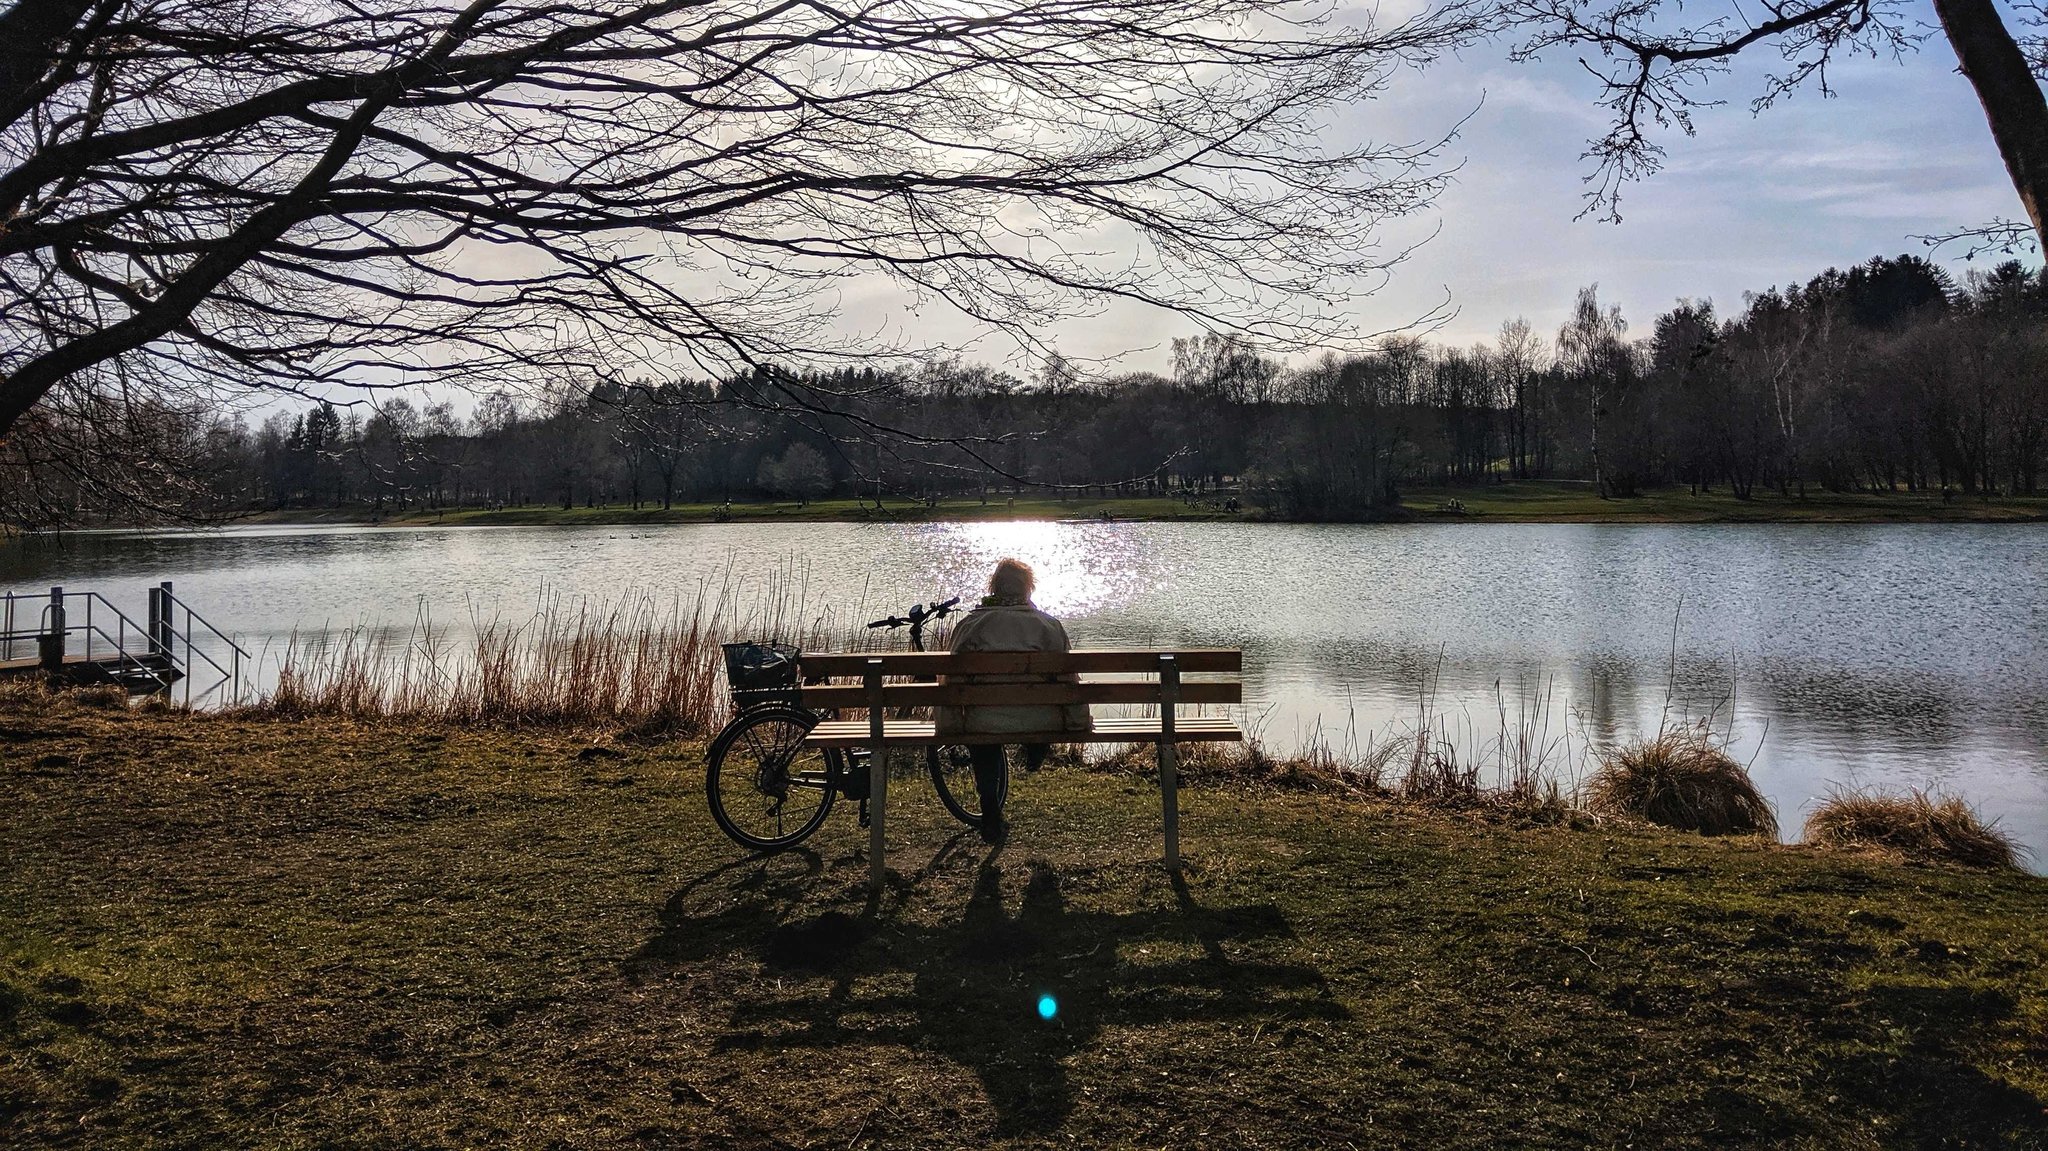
column 881, row 691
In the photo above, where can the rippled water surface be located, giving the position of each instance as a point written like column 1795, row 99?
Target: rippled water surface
column 1845, row 655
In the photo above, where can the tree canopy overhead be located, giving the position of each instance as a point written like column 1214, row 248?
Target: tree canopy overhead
column 1656, row 63
column 309, row 192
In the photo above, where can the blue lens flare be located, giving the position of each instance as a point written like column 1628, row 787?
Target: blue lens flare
column 1047, row 1006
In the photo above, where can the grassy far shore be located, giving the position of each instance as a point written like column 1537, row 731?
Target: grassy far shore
column 1531, row 501
column 246, row 932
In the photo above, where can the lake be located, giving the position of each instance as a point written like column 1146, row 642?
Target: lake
column 1835, row 655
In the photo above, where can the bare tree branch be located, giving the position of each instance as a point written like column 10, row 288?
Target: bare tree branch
column 1655, row 61
column 313, row 193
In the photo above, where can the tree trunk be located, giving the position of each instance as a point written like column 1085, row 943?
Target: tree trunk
column 1599, row 480
column 1992, row 62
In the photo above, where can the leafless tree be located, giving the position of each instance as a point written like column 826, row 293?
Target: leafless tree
column 1590, row 346
column 1519, row 352
column 300, row 194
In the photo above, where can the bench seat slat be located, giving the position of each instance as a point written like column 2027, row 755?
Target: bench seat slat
column 1016, row 694
column 1108, row 729
column 1083, row 662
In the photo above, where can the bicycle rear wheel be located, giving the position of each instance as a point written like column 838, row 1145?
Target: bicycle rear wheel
column 952, row 771
column 766, row 789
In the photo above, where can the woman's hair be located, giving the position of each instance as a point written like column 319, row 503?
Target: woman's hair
column 1012, row 579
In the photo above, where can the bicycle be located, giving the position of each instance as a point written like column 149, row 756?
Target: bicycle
column 767, row 790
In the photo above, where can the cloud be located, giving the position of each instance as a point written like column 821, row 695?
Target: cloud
column 1527, row 91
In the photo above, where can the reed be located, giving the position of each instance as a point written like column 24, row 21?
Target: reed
column 644, row 662
column 1424, row 761
column 1254, row 762
column 1923, row 826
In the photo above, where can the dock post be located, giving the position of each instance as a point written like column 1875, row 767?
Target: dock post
column 161, row 629
column 53, row 639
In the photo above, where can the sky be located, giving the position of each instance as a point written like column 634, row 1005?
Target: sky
column 1902, row 149
column 1752, row 201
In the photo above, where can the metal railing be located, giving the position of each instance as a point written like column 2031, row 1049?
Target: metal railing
column 89, row 616
column 155, row 656
column 165, row 636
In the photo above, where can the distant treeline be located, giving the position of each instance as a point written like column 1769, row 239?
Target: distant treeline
column 1888, row 376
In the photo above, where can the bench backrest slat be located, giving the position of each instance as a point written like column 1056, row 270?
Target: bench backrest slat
column 1017, row 694
column 1082, row 662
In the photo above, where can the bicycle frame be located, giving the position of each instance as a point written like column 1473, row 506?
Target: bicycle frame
column 848, row 773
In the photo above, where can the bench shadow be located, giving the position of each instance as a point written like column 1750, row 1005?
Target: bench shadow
column 1008, row 997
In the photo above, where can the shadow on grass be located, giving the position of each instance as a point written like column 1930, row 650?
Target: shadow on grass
column 1009, row 997
column 1933, row 1089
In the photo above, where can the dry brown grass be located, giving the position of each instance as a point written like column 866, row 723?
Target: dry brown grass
column 641, row 662
column 1917, row 825
column 1680, row 779
column 629, row 663
column 1315, row 769
column 28, row 695
column 1423, row 767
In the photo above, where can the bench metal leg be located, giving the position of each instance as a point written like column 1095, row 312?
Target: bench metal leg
column 878, row 810
column 1169, row 756
column 1169, row 797
column 878, row 779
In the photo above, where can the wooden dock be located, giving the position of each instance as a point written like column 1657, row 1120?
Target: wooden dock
column 141, row 674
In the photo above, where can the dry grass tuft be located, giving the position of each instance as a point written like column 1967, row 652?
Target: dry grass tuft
column 1917, row 825
column 101, row 697
column 1680, row 779
column 25, row 694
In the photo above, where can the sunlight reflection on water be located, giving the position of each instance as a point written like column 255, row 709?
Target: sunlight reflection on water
column 1082, row 569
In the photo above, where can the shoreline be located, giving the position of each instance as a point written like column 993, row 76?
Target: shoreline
column 1524, row 502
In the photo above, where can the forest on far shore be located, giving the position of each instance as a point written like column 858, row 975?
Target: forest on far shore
column 1889, row 376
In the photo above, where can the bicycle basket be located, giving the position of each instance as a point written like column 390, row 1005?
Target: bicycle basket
column 760, row 666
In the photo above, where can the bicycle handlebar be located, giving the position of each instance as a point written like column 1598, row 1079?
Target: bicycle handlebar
column 919, row 613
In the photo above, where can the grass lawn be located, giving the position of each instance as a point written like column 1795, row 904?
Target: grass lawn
column 252, row 933
column 1547, row 500
column 998, row 507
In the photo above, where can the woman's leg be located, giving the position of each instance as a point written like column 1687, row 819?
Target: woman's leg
column 988, row 777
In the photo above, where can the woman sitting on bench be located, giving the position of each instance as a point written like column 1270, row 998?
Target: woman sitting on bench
column 1008, row 621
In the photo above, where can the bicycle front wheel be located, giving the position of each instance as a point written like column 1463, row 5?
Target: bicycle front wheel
column 952, row 770
column 767, row 790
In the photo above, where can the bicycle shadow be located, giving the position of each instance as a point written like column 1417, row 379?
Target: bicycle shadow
column 1008, row 997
